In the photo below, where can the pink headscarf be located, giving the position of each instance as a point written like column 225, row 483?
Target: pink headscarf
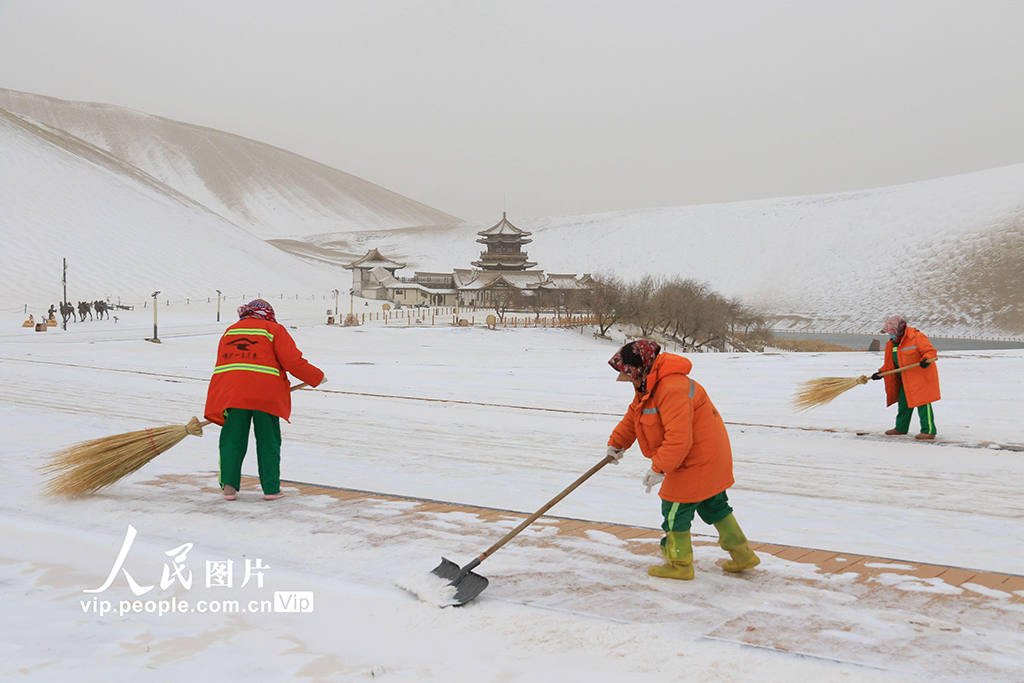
column 636, row 359
column 895, row 325
column 257, row 308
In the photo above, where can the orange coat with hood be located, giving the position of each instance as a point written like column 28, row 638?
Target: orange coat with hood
column 680, row 430
column 253, row 361
column 920, row 384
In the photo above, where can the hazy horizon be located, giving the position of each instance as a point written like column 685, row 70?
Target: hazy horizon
column 571, row 108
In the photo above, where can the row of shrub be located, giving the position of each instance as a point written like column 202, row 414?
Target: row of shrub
column 685, row 311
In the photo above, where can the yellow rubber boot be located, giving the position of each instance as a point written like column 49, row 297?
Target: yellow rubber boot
column 732, row 540
column 679, row 552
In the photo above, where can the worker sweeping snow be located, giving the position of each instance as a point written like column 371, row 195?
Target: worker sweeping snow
column 913, row 388
column 250, row 386
column 680, row 430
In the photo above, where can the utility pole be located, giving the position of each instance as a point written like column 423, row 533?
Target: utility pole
column 218, row 305
column 336, row 294
column 64, row 281
column 156, row 337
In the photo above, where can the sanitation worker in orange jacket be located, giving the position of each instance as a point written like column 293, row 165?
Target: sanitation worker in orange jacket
column 917, row 387
column 680, row 430
column 250, row 386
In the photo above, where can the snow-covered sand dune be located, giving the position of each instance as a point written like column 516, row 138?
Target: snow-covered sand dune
column 124, row 233
column 267, row 190
column 944, row 252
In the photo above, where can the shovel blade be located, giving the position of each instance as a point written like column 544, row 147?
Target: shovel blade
column 467, row 585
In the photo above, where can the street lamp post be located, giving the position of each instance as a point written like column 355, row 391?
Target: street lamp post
column 336, row 293
column 156, row 337
column 218, row 305
column 64, row 281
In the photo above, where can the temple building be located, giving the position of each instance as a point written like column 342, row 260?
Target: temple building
column 364, row 284
column 502, row 269
column 504, row 243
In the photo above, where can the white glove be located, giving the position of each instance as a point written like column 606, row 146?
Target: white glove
column 322, row 382
column 615, row 454
column 652, row 479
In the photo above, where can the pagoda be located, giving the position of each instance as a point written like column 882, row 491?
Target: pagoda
column 504, row 247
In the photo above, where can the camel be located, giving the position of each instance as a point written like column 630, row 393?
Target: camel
column 67, row 311
column 101, row 309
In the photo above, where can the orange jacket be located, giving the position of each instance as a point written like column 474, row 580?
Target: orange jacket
column 253, row 361
column 680, row 430
column 920, row 384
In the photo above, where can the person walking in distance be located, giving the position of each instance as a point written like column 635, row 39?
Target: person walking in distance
column 917, row 387
column 680, row 430
column 250, row 386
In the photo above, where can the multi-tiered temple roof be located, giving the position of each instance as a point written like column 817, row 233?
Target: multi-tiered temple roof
column 504, row 247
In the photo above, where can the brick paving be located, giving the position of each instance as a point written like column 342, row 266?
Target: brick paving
column 643, row 541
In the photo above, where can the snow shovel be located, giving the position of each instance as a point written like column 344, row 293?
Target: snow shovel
column 469, row 584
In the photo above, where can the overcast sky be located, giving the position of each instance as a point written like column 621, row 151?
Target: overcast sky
column 563, row 106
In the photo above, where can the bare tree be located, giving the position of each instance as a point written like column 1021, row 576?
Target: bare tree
column 748, row 327
column 504, row 299
column 639, row 304
column 573, row 301
column 686, row 311
column 605, row 298
column 537, row 300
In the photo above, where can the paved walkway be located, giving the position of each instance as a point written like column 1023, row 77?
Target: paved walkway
column 920, row 620
column 994, row 585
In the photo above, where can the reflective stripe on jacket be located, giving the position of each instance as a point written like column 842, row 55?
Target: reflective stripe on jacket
column 249, row 367
column 254, row 358
column 921, row 385
column 680, row 430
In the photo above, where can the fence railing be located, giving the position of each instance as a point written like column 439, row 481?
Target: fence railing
column 471, row 315
column 880, row 335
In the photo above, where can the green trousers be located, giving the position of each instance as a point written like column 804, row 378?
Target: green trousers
column 234, row 442
column 904, row 413
column 679, row 516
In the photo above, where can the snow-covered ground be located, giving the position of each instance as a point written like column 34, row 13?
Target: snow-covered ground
column 516, row 415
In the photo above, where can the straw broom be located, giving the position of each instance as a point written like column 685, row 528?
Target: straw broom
column 817, row 392
column 89, row 466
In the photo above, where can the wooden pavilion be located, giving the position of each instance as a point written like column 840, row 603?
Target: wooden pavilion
column 504, row 243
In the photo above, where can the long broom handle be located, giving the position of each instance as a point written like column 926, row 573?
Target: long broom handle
column 905, row 367
column 532, row 518
column 297, row 386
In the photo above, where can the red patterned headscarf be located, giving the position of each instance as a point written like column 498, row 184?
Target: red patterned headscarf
column 895, row 325
column 636, row 359
column 257, row 308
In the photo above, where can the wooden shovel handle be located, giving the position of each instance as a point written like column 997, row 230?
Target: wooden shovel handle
column 303, row 385
column 532, row 518
column 905, row 367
